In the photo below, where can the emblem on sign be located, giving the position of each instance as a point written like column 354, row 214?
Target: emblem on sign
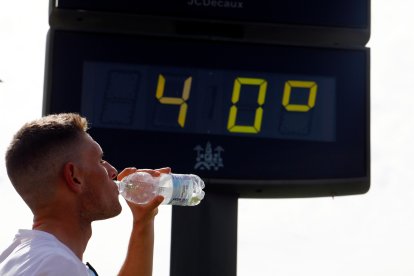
column 208, row 158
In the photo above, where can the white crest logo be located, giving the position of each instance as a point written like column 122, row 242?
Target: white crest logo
column 207, row 158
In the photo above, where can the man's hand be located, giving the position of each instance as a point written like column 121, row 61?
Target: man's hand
column 144, row 213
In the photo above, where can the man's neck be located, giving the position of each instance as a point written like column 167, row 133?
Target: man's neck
column 74, row 235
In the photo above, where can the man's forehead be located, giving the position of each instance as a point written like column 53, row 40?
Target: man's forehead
column 92, row 144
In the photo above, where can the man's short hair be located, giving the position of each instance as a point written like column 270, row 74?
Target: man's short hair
column 38, row 149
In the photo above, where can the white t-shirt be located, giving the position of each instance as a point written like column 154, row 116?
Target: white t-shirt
column 36, row 252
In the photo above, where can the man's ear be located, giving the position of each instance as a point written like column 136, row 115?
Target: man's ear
column 73, row 178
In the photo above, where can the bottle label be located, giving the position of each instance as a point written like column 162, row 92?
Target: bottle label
column 181, row 186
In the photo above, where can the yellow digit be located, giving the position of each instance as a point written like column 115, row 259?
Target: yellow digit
column 175, row 101
column 231, row 123
column 313, row 87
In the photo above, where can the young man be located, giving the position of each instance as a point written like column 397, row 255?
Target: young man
column 59, row 171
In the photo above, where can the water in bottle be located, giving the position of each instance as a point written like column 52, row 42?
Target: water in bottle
column 177, row 189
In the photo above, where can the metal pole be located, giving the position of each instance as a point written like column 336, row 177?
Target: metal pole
column 204, row 237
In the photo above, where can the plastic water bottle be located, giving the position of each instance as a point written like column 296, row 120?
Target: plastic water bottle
column 177, row 189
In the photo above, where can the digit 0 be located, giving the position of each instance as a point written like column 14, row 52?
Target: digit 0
column 311, row 85
column 231, row 123
column 173, row 100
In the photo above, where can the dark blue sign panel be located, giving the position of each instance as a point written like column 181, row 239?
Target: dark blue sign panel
column 257, row 119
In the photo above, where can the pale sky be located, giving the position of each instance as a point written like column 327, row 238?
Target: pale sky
column 364, row 235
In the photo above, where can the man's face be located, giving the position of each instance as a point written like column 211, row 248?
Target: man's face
column 100, row 194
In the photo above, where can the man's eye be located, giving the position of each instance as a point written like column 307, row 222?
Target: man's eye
column 103, row 161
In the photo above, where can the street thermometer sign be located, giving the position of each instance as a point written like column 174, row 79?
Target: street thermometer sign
column 259, row 115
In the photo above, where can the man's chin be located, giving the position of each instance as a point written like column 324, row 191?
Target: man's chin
column 113, row 212
column 117, row 210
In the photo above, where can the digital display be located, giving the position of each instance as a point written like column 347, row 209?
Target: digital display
column 213, row 102
column 261, row 120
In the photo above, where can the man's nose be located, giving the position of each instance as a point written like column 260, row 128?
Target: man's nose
column 112, row 172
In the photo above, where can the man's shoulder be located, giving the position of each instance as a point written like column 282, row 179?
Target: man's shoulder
column 39, row 253
column 43, row 265
column 39, row 244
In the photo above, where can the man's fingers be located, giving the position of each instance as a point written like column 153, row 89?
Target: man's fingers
column 164, row 170
column 156, row 202
column 157, row 172
column 125, row 172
